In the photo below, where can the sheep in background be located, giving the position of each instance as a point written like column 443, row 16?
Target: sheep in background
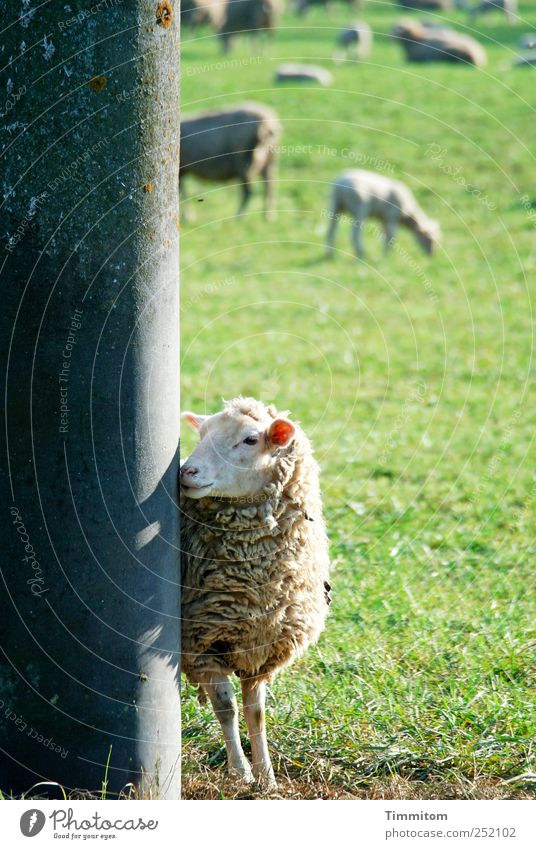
column 232, row 144
column 526, row 60
column 251, row 16
column 195, row 13
column 423, row 43
column 355, row 41
column 426, row 5
column 302, row 74
column 527, row 41
column 440, row 26
column 365, row 194
column 302, row 6
column 255, row 564
column 509, row 7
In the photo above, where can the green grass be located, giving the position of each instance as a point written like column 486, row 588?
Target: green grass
column 413, row 376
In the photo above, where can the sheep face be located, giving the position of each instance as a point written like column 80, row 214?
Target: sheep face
column 235, row 456
column 429, row 236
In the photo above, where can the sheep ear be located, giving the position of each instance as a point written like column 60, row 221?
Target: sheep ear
column 281, row 432
column 194, row 420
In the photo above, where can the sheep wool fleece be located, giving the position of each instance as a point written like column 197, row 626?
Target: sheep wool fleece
column 254, row 574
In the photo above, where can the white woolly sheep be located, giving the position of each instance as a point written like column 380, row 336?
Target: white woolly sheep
column 422, row 43
column 254, row 564
column 356, row 40
column 365, row 194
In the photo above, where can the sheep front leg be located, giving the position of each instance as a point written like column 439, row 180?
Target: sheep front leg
column 254, row 697
column 330, row 235
column 225, row 39
column 246, row 194
column 222, row 698
column 267, row 175
column 390, row 230
column 357, row 238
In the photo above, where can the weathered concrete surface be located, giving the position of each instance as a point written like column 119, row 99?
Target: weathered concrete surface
column 89, row 635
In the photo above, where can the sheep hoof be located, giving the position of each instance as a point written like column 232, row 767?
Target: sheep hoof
column 243, row 774
column 266, row 781
column 267, row 785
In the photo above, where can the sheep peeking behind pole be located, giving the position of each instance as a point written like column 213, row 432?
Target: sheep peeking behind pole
column 255, row 564
column 364, row 194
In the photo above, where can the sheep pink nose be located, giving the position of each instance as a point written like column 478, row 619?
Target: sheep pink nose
column 189, row 471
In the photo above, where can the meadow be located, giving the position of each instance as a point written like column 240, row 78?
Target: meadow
column 413, row 375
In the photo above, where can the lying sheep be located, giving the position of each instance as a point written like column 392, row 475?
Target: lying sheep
column 255, row 564
column 424, row 43
column 426, row 5
column 509, row 7
column 232, row 144
column 355, row 41
column 527, row 41
column 303, row 6
column 525, row 61
column 302, row 74
column 251, row 16
column 365, row 194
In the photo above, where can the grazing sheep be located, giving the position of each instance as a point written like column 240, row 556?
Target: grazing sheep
column 252, row 16
column 364, row 194
column 255, row 563
column 195, row 13
column 303, row 6
column 426, row 5
column 423, row 43
column 232, row 144
column 356, row 40
column 509, row 7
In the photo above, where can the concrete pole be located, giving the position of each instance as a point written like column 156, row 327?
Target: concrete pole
column 89, row 275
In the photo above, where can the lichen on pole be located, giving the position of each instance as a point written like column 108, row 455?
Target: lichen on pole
column 89, row 636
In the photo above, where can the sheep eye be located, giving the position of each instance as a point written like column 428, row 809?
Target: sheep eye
column 251, row 440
